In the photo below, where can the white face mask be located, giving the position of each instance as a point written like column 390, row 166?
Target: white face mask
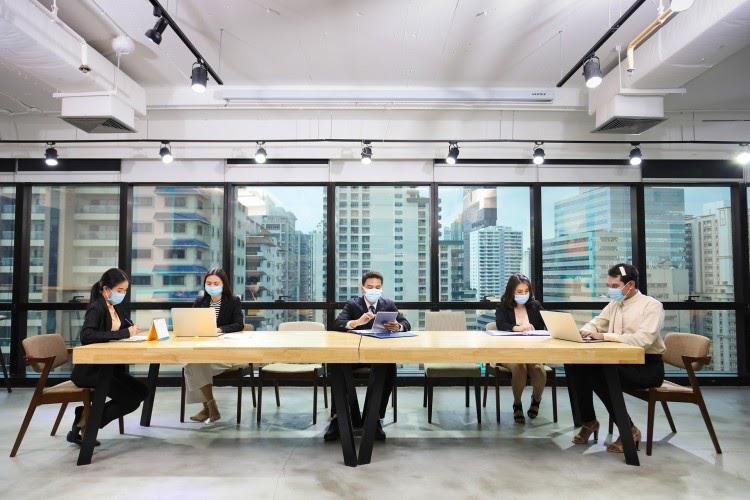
column 373, row 294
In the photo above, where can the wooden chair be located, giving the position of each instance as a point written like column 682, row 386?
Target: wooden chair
column 294, row 372
column 502, row 372
column 232, row 377
column 683, row 350
column 45, row 353
column 450, row 321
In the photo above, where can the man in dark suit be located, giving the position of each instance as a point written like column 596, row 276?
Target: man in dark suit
column 359, row 314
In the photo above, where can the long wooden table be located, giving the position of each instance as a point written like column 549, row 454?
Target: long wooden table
column 339, row 351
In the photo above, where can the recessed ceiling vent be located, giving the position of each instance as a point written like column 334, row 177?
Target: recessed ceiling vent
column 98, row 114
column 627, row 114
column 627, row 125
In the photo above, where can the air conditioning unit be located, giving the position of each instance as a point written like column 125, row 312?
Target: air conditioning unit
column 627, row 114
column 98, row 114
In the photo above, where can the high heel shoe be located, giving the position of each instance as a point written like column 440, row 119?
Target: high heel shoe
column 533, row 408
column 74, row 435
column 587, row 429
column 202, row 415
column 518, row 414
column 617, row 447
column 213, row 410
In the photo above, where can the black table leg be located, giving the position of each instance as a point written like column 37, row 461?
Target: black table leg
column 5, row 371
column 372, row 411
column 573, row 399
column 621, row 414
column 95, row 417
column 337, row 378
column 351, row 394
column 148, row 404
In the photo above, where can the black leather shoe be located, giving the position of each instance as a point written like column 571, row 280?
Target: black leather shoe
column 75, row 438
column 332, row 432
column 379, row 433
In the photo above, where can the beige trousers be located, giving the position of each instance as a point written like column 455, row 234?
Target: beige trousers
column 198, row 375
column 520, row 373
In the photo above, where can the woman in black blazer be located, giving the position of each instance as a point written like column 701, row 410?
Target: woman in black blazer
column 519, row 312
column 217, row 294
column 105, row 321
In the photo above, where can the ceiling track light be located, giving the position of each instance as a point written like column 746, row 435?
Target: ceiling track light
column 166, row 153
column 50, row 155
column 453, row 152
column 743, row 157
column 592, row 72
column 366, row 156
column 636, row 156
column 538, row 156
column 199, row 77
column 155, row 33
column 260, row 154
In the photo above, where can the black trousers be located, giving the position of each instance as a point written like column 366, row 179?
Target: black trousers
column 586, row 380
column 390, row 380
column 126, row 393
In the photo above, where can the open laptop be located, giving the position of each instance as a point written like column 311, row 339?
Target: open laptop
column 563, row 326
column 194, row 322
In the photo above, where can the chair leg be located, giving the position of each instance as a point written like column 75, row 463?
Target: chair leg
column 276, row 390
column 239, row 399
column 486, row 383
column 478, row 398
column 59, row 418
column 650, row 425
column 466, row 384
column 315, row 400
column 709, row 426
column 394, row 401
column 24, row 426
column 424, row 396
column 497, row 399
column 121, row 425
column 182, row 397
column 554, row 396
column 669, row 416
column 325, row 390
column 252, row 384
column 260, row 398
column 429, row 402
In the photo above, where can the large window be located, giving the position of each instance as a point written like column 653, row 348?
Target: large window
column 74, row 239
column 484, row 238
column 280, row 243
column 7, row 239
column 689, row 243
column 270, row 319
column 585, row 231
column 384, row 229
column 177, row 237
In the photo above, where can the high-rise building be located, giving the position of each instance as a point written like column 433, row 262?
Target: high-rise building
column 495, row 252
column 479, row 210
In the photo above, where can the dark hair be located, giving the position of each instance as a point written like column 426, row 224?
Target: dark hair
column 631, row 273
column 508, row 298
column 372, row 274
column 225, row 281
column 110, row 279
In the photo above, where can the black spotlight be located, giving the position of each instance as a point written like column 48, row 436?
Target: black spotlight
column 452, row 154
column 166, row 153
column 50, row 155
column 199, row 77
column 366, row 153
column 636, row 157
column 538, row 155
column 260, row 154
column 161, row 24
column 592, row 72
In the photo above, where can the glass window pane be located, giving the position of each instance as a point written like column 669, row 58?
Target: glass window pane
column 689, row 243
column 7, row 239
column 484, row 238
column 719, row 326
column 5, row 333
column 380, row 230
column 280, row 247
column 66, row 323
column 585, row 231
column 177, row 237
column 269, row 319
column 74, row 239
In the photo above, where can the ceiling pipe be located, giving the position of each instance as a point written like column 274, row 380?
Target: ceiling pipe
column 641, row 37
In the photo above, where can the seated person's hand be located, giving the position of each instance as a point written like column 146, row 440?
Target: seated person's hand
column 218, row 330
column 392, row 326
column 365, row 318
column 596, row 335
column 526, row 327
column 133, row 330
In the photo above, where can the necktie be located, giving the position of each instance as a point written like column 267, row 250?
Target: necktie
column 372, row 309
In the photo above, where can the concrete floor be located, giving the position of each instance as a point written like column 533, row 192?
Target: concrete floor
column 453, row 458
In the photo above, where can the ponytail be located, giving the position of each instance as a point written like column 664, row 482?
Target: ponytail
column 110, row 279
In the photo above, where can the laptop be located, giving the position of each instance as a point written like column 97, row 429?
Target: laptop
column 563, row 326
column 194, row 322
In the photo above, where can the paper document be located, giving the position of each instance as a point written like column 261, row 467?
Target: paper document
column 135, row 338
column 236, row 336
column 385, row 334
column 532, row 333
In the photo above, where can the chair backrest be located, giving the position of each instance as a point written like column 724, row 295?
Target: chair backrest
column 445, row 321
column 491, row 326
column 685, row 344
column 302, row 326
column 46, row 346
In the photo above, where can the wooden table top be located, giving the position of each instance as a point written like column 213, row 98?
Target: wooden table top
column 338, row 347
column 477, row 346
